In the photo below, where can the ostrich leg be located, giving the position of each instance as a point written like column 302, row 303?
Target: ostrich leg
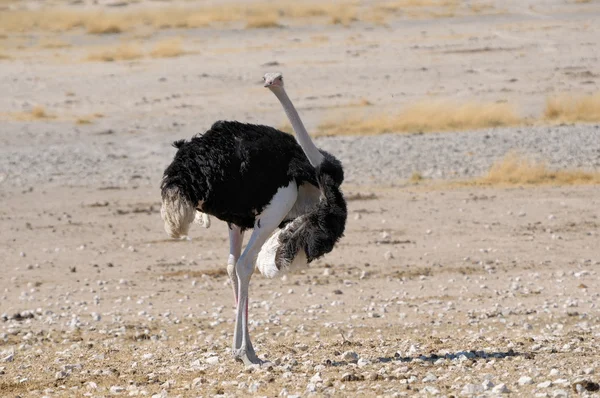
column 266, row 223
column 236, row 239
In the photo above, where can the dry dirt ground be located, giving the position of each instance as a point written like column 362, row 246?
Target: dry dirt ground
column 436, row 289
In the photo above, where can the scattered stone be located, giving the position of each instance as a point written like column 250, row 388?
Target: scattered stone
column 500, row 389
column 60, row 375
column 316, row 378
column 471, row 389
column 430, row 390
column 116, row 389
column 214, row 360
column 350, row 356
column 545, row 384
column 525, row 380
column 585, row 385
column 487, row 385
column 351, row 377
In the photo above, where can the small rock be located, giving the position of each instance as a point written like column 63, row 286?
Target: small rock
column 525, row 380
column 560, row 394
column 362, row 362
column 388, row 255
column 116, row 389
column 500, row 389
column 430, row 390
column 585, row 385
column 212, row 360
column 316, row 378
column 487, row 385
column 254, row 387
column 545, row 384
column 197, row 382
column 9, row 358
column 351, row 377
column 350, row 356
column 471, row 389
column 430, row 377
column 60, row 375
column 302, row 347
column 311, row 387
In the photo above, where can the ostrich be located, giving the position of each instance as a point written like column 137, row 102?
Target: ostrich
column 256, row 177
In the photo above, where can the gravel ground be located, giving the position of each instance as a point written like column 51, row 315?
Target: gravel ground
column 465, row 292
column 387, row 159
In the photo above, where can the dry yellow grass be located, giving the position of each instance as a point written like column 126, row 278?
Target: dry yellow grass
column 571, row 109
column 38, row 112
column 426, row 117
column 416, row 177
column 107, row 24
column 265, row 14
column 53, row 44
column 517, row 170
column 88, row 119
column 124, row 52
column 168, row 48
column 262, row 22
column 260, row 15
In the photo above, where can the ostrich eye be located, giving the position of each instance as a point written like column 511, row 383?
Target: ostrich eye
column 264, row 79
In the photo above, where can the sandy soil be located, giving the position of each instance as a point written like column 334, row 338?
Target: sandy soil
column 435, row 289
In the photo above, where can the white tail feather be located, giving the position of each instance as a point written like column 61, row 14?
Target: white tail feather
column 177, row 213
column 265, row 262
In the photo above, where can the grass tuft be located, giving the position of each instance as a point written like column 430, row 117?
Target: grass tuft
column 168, row 48
column 571, row 109
column 426, row 117
column 54, row 44
column 38, row 112
column 262, row 22
column 104, row 24
column 516, row 170
column 416, row 177
column 124, row 52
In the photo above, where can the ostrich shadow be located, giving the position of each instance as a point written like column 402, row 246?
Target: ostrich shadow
column 460, row 355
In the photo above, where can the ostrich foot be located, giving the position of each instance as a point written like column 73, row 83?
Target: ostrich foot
column 247, row 356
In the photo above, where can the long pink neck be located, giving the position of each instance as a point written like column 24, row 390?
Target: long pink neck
column 315, row 157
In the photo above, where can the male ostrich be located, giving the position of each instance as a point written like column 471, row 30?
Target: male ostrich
column 253, row 176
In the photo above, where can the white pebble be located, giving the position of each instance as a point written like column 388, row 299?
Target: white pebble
column 525, row 380
column 350, row 356
column 500, row 389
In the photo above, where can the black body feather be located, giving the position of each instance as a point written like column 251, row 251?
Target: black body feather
column 236, row 169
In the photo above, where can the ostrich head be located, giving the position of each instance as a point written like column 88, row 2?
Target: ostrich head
column 273, row 80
